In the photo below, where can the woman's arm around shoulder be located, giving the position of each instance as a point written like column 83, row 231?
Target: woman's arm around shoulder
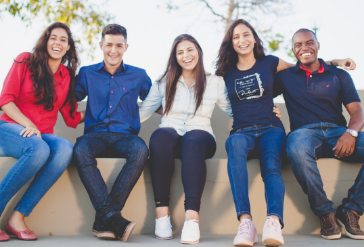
column 153, row 101
column 223, row 101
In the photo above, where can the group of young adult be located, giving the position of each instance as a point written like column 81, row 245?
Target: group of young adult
column 246, row 81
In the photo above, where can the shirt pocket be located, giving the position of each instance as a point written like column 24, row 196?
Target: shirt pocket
column 206, row 107
column 324, row 90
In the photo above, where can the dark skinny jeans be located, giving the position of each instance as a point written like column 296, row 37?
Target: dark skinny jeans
column 193, row 148
column 108, row 144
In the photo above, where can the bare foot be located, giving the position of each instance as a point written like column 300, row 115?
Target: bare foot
column 16, row 221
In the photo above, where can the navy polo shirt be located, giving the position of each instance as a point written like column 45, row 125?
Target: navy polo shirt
column 112, row 99
column 317, row 98
column 251, row 94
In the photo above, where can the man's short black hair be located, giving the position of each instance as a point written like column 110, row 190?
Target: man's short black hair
column 304, row 30
column 114, row 29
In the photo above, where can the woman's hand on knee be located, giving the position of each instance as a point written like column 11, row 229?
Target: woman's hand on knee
column 30, row 130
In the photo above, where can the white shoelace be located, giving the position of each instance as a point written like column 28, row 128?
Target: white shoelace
column 273, row 225
column 163, row 224
column 190, row 228
column 244, row 227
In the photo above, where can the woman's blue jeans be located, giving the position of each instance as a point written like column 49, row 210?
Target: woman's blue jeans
column 269, row 142
column 311, row 142
column 45, row 158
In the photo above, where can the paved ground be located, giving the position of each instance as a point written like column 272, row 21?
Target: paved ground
column 148, row 240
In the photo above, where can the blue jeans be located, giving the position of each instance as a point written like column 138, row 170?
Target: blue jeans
column 311, row 142
column 45, row 158
column 269, row 142
column 108, row 144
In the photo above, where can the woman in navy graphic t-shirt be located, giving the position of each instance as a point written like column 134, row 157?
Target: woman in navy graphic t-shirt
column 249, row 76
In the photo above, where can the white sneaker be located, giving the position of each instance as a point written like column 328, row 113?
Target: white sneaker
column 190, row 232
column 272, row 232
column 163, row 228
column 247, row 234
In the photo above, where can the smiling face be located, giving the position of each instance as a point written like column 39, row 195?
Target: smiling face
column 187, row 55
column 305, row 47
column 243, row 40
column 57, row 44
column 113, row 47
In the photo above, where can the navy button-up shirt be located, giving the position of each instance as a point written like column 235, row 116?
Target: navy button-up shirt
column 112, row 99
column 317, row 98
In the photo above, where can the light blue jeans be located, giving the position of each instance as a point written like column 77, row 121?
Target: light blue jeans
column 269, row 142
column 45, row 158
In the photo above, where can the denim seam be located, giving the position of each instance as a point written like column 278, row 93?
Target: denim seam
column 266, row 197
column 22, row 211
column 32, row 147
column 234, row 182
column 315, row 150
column 243, row 212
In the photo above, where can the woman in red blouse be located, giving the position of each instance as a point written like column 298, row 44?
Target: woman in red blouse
column 38, row 85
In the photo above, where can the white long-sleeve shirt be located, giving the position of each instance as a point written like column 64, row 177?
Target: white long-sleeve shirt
column 181, row 117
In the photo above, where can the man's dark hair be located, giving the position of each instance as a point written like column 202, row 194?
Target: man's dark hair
column 304, row 30
column 114, row 29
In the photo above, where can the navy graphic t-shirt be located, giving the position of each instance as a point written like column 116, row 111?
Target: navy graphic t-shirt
column 251, row 94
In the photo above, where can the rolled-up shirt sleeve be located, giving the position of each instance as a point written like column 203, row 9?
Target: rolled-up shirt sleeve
column 13, row 80
column 68, row 119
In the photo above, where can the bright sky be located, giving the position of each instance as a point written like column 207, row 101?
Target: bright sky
column 151, row 31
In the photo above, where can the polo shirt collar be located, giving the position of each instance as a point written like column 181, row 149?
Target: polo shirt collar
column 324, row 67
column 102, row 66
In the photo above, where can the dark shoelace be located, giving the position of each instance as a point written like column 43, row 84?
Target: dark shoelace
column 355, row 221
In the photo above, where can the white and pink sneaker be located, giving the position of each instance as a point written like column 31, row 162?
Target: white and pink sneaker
column 247, row 234
column 272, row 232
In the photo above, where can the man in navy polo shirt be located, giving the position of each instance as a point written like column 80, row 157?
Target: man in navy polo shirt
column 112, row 125
column 314, row 94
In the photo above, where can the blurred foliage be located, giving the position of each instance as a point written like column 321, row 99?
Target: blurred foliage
column 72, row 12
column 253, row 11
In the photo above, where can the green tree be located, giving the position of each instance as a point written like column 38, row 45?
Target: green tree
column 255, row 12
column 79, row 13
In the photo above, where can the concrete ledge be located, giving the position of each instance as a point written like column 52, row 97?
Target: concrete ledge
column 67, row 210
column 207, row 240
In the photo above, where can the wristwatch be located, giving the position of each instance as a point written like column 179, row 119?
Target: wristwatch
column 352, row 133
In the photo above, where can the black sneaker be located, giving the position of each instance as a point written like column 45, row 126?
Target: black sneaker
column 329, row 228
column 100, row 230
column 120, row 226
column 350, row 222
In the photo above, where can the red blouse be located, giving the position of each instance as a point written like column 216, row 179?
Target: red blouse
column 18, row 88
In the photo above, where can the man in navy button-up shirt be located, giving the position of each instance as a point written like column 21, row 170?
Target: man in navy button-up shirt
column 112, row 125
column 314, row 95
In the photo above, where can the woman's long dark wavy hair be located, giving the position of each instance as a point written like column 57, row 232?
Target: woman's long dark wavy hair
column 174, row 71
column 227, row 56
column 42, row 75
